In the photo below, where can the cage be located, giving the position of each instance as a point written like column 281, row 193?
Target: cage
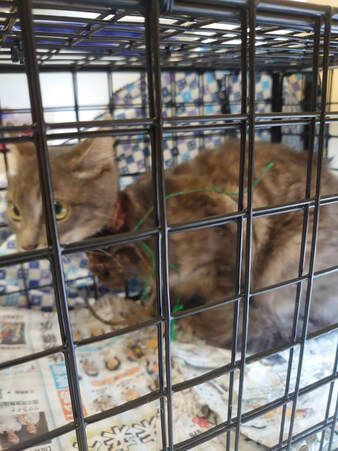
column 165, row 79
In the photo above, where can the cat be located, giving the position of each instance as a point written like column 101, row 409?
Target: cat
column 203, row 270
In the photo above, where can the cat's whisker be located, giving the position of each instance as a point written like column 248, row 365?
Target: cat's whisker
column 99, row 251
column 104, row 252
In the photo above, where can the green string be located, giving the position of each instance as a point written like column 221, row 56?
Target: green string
column 260, row 176
column 214, row 189
column 177, row 308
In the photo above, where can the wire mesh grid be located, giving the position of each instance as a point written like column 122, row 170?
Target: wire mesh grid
column 242, row 36
column 96, row 35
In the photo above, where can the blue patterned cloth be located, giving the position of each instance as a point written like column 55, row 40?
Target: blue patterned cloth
column 190, row 94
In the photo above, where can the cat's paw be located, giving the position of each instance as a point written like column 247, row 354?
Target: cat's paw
column 101, row 265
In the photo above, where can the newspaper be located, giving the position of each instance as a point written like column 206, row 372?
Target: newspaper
column 34, row 397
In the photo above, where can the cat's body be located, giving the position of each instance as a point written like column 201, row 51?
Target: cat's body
column 203, row 262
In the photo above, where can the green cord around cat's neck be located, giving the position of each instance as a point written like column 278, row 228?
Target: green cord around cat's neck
column 213, row 189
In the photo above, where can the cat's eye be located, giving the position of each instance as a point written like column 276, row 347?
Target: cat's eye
column 14, row 212
column 61, row 210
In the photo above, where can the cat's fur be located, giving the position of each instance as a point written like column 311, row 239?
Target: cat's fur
column 204, row 260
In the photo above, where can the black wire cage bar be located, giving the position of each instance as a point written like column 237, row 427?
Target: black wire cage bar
column 34, row 39
column 103, row 42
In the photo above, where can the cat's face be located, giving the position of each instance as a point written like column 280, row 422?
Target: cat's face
column 85, row 184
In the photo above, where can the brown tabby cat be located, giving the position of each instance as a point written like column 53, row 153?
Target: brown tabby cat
column 202, row 262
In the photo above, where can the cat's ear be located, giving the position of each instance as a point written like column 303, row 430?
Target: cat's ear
column 20, row 151
column 92, row 157
column 24, row 150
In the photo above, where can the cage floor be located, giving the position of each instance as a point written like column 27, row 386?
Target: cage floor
column 112, row 375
